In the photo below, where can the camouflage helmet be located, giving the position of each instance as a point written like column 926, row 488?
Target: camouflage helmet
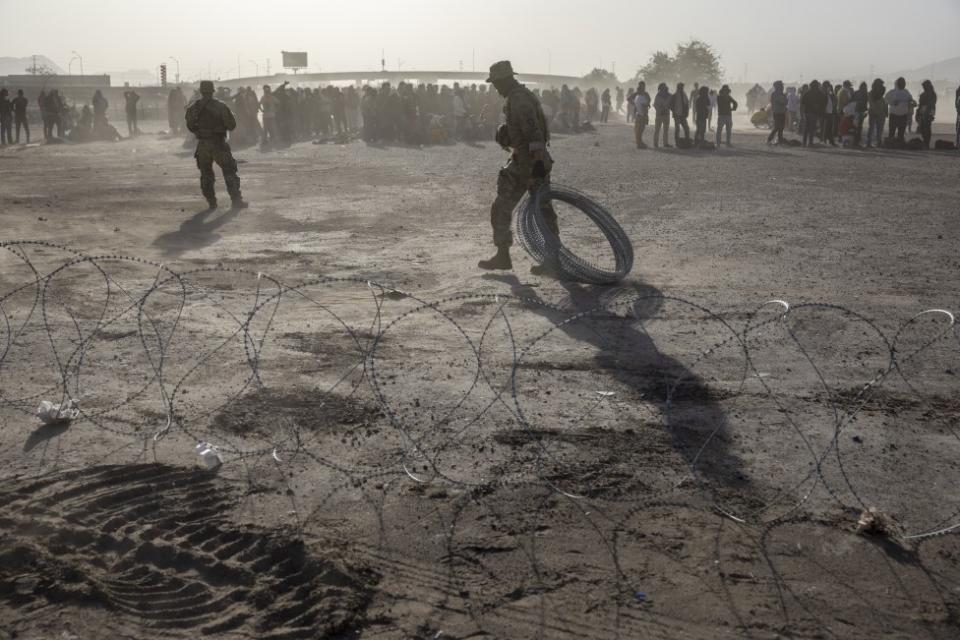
column 206, row 86
column 501, row 71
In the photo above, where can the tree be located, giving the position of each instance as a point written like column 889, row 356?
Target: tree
column 694, row 61
column 601, row 76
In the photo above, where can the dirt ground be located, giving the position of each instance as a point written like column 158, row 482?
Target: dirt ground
column 416, row 449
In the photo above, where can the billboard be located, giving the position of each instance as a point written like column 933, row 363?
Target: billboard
column 294, row 59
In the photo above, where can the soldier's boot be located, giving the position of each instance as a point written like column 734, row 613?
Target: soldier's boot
column 541, row 270
column 232, row 181
column 207, row 189
column 501, row 261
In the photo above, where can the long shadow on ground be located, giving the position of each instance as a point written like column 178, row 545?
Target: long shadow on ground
column 634, row 360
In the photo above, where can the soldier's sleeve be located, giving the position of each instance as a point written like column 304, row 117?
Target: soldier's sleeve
column 530, row 125
column 229, row 122
column 191, row 118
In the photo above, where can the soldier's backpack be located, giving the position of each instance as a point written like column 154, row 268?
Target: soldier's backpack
column 684, row 143
column 944, row 145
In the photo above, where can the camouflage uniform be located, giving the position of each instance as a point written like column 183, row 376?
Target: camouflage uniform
column 210, row 120
column 525, row 132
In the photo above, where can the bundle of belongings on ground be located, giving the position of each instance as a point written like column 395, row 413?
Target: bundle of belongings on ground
column 760, row 119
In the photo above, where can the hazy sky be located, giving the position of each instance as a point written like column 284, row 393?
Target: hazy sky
column 774, row 37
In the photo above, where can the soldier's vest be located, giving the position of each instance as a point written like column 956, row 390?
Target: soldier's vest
column 523, row 93
column 207, row 120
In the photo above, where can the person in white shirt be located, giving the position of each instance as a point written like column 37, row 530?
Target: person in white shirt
column 460, row 113
column 900, row 102
column 641, row 105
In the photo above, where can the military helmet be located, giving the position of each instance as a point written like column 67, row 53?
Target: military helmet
column 501, row 71
column 206, row 86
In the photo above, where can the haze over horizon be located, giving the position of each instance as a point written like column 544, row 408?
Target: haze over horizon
column 220, row 38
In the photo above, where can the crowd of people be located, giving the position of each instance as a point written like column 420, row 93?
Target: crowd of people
column 833, row 114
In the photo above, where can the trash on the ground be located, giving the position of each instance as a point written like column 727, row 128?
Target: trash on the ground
column 604, row 394
column 640, row 596
column 876, row 523
column 209, row 454
column 52, row 413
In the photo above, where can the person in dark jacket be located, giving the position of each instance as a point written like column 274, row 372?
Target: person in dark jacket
column 702, row 114
column 813, row 104
column 926, row 112
column 726, row 105
column 957, row 105
column 778, row 106
column 661, row 106
column 680, row 108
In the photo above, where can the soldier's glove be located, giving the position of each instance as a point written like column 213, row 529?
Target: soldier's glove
column 539, row 170
column 503, row 136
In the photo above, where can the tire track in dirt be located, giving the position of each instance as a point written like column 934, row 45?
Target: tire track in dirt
column 153, row 546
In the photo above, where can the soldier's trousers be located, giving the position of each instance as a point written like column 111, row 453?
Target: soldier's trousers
column 511, row 187
column 208, row 152
column 6, row 131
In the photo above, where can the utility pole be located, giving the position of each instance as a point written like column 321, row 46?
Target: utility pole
column 474, row 61
column 383, row 60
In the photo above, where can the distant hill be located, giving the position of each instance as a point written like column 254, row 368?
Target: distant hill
column 19, row 66
column 943, row 70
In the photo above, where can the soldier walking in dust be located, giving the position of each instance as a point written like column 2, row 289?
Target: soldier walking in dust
column 526, row 135
column 210, row 120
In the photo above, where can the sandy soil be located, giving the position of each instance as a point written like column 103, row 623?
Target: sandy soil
column 415, row 449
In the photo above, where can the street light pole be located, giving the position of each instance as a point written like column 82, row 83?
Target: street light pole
column 257, row 65
column 178, row 68
column 70, row 66
column 81, row 60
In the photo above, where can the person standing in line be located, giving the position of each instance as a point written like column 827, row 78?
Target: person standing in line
column 176, row 107
column 778, row 106
column 813, row 105
column 605, row 105
column 268, row 105
column 828, row 129
column 6, row 119
column 20, row 115
column 726, row 105
column 793, row 109
column 619, row 99
column 877, row 110
column 631, row 110
column 526, row 135
column 861, row 98
column 713, row 109
column 56, row 109
column 701, row 109
column 956, row 102
column 44, row 116
column 927, row 112
column 131, row 99
column 661, row 107
column 641, row 104
column 900, row 102
column 680, row 107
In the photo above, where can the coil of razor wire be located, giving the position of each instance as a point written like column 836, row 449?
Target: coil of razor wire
column 545, row 246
